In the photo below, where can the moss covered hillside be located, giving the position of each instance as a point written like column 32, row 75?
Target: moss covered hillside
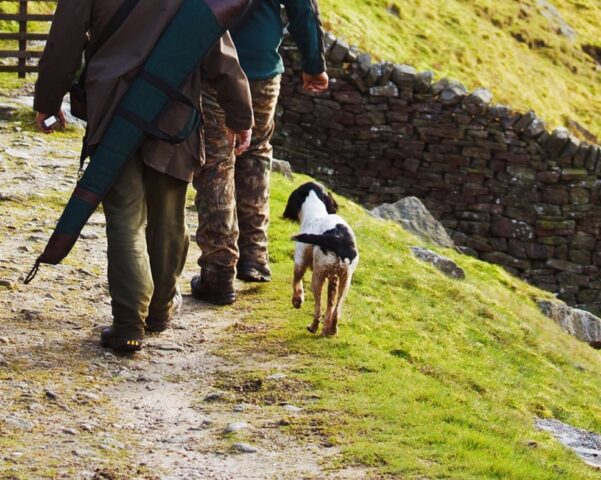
column 533, row 54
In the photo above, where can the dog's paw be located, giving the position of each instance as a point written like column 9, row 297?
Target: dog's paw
column 297, row 302
column 329, row 333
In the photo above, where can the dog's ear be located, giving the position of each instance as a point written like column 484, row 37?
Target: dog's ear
column 293, row 207
column 331, row 205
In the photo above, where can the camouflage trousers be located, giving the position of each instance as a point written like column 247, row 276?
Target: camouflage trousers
column 232, row 195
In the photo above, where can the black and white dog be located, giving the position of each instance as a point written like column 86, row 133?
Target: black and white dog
column 327, row 245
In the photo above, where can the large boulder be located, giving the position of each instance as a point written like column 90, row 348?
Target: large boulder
column 581, row 324
column 413, row 216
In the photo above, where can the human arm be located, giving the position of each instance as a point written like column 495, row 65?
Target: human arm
column 62, row 57
column 306, row 29
column 222, row 70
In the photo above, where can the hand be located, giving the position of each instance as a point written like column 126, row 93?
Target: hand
column 240, row 140
column 316, row 83
column 40, row 117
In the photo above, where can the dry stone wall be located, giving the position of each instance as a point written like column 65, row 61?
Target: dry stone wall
column 507, row 190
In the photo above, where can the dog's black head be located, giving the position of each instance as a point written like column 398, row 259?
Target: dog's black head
column 298, row 197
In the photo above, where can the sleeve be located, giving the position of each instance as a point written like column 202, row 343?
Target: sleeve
column 63, row 54
column 222, row 70
column 307, row 31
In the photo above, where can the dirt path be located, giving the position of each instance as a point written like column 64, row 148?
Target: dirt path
column 69, row 409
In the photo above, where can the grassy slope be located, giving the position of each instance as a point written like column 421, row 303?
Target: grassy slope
column 472, row 41
column 430, row 377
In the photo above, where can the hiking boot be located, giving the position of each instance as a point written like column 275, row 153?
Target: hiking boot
column 253, row 272
column 120, row 344
column 217, row 293
column 155, row 325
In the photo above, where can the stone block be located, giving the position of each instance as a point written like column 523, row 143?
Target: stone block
column 558, row 140
column 510, row 228
column 477, row 102
column 338, row 51
column 388, row 90
column 524, row 122
column 507, row 261
column 564, row 266
column 555, row 196
column 404, row 76
column 423, row 82
column 573, row 174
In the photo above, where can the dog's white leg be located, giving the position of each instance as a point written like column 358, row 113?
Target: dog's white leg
column 329, row 325
column 316, row 285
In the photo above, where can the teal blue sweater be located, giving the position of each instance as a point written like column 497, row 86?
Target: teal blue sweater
column 260, row 35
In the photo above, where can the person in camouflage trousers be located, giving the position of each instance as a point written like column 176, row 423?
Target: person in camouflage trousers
column 233, row 193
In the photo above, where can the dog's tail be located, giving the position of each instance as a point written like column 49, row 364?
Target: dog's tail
column 338, row 240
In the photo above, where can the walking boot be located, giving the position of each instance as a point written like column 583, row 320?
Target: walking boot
column 120, row 344
column 215, row 292
column 253, row 272
column 158, row 325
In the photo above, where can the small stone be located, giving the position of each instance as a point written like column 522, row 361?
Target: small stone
column 244, row 448
column 70, row 431
column 18, row 423
column 276, row 376
column 239, row 408
column 36, row 408
column 17, row 153
column 7, row 283
column 292, row 409
column 50, row 394
column 423, row 82
column 5, row 341
column 90, row 236
column 83, row 453
column 85, row 397
column 389, row 90
column 236, row 427
column 216, row 397
column 87, row 427
column 168, row 347
column 444, row 264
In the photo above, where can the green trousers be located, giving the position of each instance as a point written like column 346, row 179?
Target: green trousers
column 148, row 242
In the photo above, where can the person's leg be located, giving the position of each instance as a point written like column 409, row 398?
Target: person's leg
column 217, row 232
column 253, row 170
column 129, row 274
column 168, row 240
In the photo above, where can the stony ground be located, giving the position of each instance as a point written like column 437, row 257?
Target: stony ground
column 70, row 409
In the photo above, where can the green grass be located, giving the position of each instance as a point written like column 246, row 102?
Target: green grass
column 475, row 41
column 429, row 377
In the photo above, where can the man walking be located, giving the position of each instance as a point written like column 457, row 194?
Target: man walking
column 233, row 203
column 145, row 209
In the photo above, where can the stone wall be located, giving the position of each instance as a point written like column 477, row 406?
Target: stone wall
column 509, row 191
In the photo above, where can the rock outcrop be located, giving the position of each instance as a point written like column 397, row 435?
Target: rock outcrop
column 581, row 324
column 414, row 217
